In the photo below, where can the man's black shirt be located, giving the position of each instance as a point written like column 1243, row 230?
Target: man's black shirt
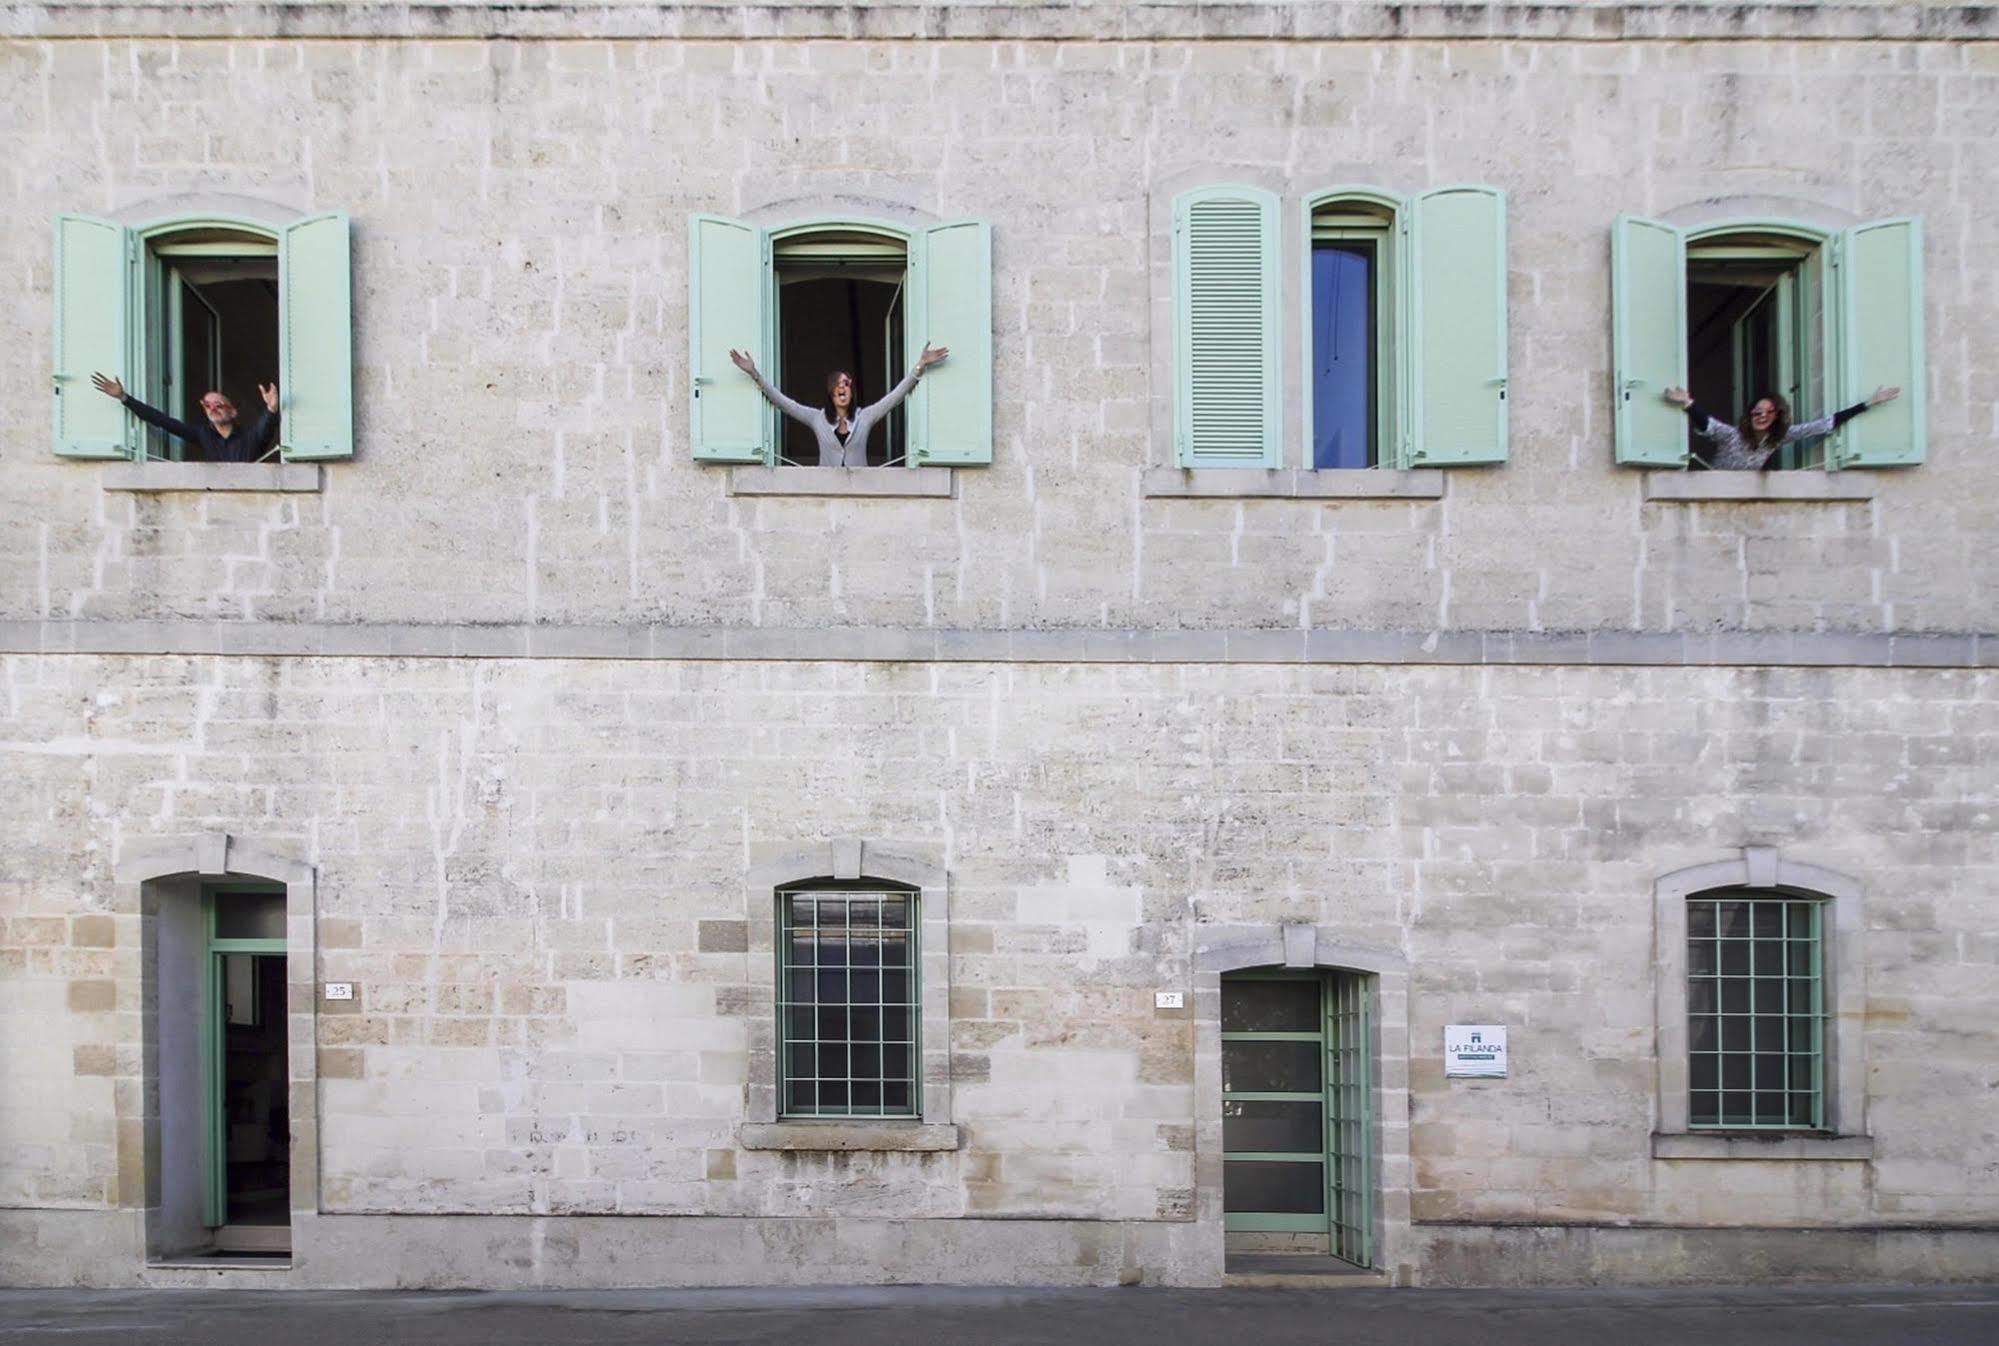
column 242, row 446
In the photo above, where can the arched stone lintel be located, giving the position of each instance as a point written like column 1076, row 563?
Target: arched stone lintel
column 848, row 858
column 213, row 855
column 1761, row 867
column 1232, row 948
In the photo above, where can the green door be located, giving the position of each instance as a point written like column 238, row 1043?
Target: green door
column 245, row 1080
column 1296, row 1108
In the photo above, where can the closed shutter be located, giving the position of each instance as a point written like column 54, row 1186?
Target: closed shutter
column 315, row 340
column 92, row 294
column 725, row 311
column 1881, row 342
column 951, row 412
column 1225, row 307
column 1648, row 301
column 1459, row 376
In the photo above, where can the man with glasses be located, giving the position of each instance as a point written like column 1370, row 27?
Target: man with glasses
column 220, row 441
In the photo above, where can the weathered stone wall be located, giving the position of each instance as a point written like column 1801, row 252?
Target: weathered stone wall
column 534, row 873
column 520, row 212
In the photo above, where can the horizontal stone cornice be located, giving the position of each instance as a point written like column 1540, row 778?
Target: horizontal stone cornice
column 1726, row 649
column 973, row 20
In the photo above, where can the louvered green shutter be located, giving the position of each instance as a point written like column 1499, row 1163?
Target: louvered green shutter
column 1648, row 302
column 1881, row 342
column 951, row 412
column 1225, row 348
column 92, row 294
column 315, row 340
column 1458, row 382
column 725, row 311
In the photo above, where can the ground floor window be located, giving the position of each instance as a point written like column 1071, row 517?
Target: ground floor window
column 848, row 1002
column 1755, row 1011
column 1297, row 1113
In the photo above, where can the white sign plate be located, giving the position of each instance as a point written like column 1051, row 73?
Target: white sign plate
column 1475, row 1051
column 340, row 990
column 1169, row 1000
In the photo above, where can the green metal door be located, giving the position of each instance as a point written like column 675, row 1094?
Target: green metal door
column 1297, row 1108
column 239, row 923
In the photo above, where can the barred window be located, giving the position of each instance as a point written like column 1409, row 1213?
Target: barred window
column 1755, row 1012
column 848, row 994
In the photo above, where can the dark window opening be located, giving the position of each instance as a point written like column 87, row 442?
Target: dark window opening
column 1753, row 309
column 1345, row 361
column 841, row 312
column 212, row 304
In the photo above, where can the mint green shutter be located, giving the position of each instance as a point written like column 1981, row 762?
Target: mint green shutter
column 725, row 311
column 951, row 411
column 1648, row 302
column 1458, row 380
column 1881, row 342
column 315, row 340
column 92, row 292
column 1225, row 328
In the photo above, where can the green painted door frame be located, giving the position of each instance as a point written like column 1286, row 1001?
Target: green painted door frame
column 214, row 1027
column 1345, row 1156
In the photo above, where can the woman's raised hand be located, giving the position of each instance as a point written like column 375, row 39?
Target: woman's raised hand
column 110, row 387
column 932, row 355
column 1679, row 397
column 744, row 362
column 1883, row 394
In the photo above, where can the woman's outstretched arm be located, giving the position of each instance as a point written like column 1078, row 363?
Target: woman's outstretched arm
column 1825, row 425
column 1705, row 423
column 876, row 410
column 798, row 411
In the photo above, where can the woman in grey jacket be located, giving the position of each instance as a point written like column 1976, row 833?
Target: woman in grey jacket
column 841, row 431
column 1767, row 428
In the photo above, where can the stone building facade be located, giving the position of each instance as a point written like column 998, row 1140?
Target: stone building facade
column 531, row 722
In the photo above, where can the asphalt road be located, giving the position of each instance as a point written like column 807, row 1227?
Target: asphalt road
column 1811, row 1316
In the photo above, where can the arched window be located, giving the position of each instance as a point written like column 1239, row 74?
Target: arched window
column 188, row 303
column 1736, row 309
column 805, row 297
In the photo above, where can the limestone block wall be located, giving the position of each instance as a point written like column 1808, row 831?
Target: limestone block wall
column 520, row 210
column 534, row 873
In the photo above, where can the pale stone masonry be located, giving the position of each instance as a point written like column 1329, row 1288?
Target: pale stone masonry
column 526, row 707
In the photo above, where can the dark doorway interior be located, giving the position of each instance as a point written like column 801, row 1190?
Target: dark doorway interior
column 255, row 1110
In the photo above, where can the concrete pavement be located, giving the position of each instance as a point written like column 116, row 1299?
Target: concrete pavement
column 1729, row 1316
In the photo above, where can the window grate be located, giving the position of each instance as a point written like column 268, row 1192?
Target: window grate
column 847, row 1003
column 1755, row 1013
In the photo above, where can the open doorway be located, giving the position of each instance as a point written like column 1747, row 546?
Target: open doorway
column 212, row 295
column 841, row 299
column 246, row 1072
column 1754, row 320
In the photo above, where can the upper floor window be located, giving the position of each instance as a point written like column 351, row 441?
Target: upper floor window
column 807, row 302
column 196, row 328
column 1404, row 324
column 1739, row 314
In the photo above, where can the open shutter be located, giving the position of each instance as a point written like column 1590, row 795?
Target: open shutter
column 1648, row 303
column 1225, row 342
column 1458, row 382
column 951, row 412
column 93, row 285
column 315, row 340
column 725, row 311
column 1881, row 342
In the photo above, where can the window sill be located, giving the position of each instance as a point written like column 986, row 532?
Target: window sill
column 893, row 482
column 909, row 1136
column 1738, row 1145
column 1799, row 485
column 1238, row 483
column 287, row 478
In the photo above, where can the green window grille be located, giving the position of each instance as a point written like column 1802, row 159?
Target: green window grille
column 847, row 1002
column 1756, row 1012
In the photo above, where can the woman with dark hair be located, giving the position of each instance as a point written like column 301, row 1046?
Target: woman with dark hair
column 841, row 431
column 1766, row 427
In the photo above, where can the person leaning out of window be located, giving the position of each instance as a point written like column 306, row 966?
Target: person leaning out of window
column 222, row 440
column 1767, row 427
